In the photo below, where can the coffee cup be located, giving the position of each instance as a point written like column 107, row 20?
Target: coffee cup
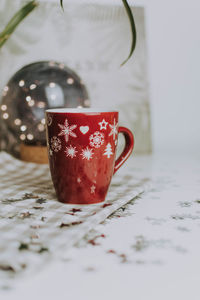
column 82, row 146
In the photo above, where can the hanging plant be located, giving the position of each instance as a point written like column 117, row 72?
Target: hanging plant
column 16, row 20
column 30, row 6
column 133, row 29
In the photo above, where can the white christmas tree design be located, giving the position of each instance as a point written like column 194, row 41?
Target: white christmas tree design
column 87, row 153
column 103, row 124
column 71, row 151
column 108, row 150
column 92, row 189
column 114, row 129
column 67, row 130
column 96, row 139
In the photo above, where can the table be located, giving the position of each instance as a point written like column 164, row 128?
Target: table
column 147, row 249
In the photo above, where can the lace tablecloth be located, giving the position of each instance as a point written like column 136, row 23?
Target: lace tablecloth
column 147, row 249
column 35, row 228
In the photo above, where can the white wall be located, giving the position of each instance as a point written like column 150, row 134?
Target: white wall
column 174, row 72
column 174, row 64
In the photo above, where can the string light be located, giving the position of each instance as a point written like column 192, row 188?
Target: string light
column 30, row 137
column 18, row 122
column 70, row 80
column 21, row 83
column 52, row 84
column 22, row 137
column 5, row 116
column 31, row 103
column 3, row 107
column 32, row 94
column 33, row 86
column 6, row 88
column 41, row 127
column 61, row 66
column 23, row 128
column 28, row 98
column 41, row 104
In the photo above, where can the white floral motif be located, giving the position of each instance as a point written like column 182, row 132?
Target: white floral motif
column 55, row 144
column 114, row 129
column 96, row 139
column 108, row 150
column 87, row 153
column 92, row 189
column 49, row 120
column 103, row 124
column 67, row 130
column 71, row 151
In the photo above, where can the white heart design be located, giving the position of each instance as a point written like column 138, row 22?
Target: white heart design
column 84, row 129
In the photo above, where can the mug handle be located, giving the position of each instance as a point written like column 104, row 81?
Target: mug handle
column 128, row 148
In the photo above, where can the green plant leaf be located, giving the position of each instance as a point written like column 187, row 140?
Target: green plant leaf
column 61, row 4
column 133, row 30
column 16, row 20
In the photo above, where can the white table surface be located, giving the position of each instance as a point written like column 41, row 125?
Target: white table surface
column 148, row 250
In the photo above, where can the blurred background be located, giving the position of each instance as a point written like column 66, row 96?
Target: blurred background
column 173, row 52
column 156, row 91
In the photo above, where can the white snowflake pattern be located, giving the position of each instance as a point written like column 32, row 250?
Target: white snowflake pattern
column 114, row 129
column 103, row 124
column 71, row 151
column 92, row 189
column 67, row 130
column 79, row 180
column 55, row 144
column 87, row 153
column 49, row 120
column 108, row 151
column 96, row 139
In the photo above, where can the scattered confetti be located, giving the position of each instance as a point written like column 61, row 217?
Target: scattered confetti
column 70, row 224
column 23, row 246
column 7, row 268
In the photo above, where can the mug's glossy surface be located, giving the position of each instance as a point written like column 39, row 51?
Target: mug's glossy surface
column 82, row 149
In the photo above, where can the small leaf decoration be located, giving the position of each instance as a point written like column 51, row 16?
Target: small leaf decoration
column 133, row 29
column 61, row 4
column 43, row 249
column 23, row 246
column 7, row 268
column 16, row 20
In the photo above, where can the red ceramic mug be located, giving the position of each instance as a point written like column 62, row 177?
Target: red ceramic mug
column 82, row 148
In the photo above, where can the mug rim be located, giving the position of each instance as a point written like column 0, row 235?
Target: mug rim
column 79, row 110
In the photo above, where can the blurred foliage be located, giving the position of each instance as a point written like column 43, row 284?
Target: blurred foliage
column 29, row 7
column 16, row 20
